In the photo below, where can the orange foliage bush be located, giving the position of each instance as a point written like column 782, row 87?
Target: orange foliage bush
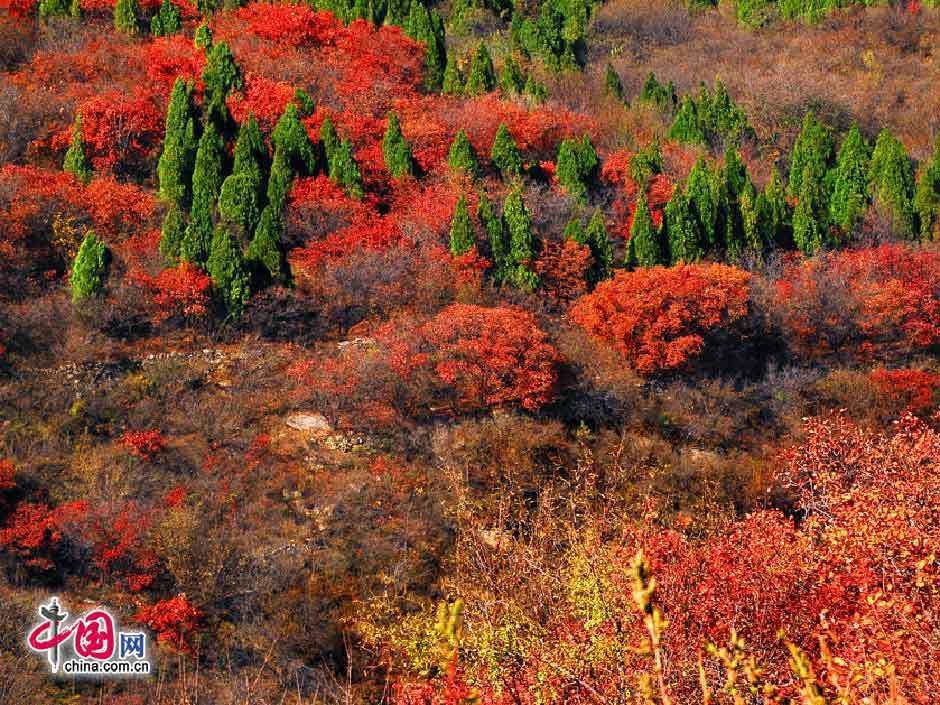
column 867, row 303
column 176, row 622
column 490, row 356
column 659, row 318
column 915, row 388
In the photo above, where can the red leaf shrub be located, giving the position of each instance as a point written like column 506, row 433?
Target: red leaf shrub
column 121, row 130
column 868, row 303
column 7, row 475
column 169, row 58
column 263, row 98
column 33, row 532
column 467, row 356
column 116, row 208
column 176, row 622
column 490, row 356
column 659, row 318
column 291, row 25
column 143, row 444
column 183, row 291
column 915, row 388
column 563, row 269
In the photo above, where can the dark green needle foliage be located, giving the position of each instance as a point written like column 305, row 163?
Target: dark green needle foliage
column 482, row 76
column 291, row 139
column 76, row 160
column 230, row 277
column 576, row 166
column 395, row 149
column 462, row 236
column 891, row 179
column 167, row 21
column 462, row 158
column 344, row 171
column 850, row 182
column 89, row 268
column 645, row 247
column 505, row 153
column 207, row 183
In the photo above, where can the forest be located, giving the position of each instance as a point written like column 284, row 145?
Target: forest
column 473, row 352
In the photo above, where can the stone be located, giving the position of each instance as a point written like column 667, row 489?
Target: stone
column 309, row 423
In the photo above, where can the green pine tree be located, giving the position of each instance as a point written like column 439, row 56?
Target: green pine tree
column 279, row 182
column 495, row 235
column 809, row 216
column 462, row 157
column 330, row 141
column 601, row 248
column 53, row 8
column 76, row 161
column 172, row 233
column 661, row 96
column 226, row 267
column 534, row 89
column 645, row 247
column 927, row 196
column 505, row 153
column 813, row 150
column 264, row 251
column 166, row 21
column 752, row 229
column 207, row 183
column 704, row 198
column 891, row 179
column 428, row 27
column 733, row 183
column 174, row 170
column 734, row 173
column 850, row 182
column 576, row 166
column 482, row 76
column 305, row 104
column 511, row 78
column 574, row 230
column 774, row 216
column 453, row 83
column 613, row 86
column 89, row 268
column 687, row 128
column 344, row 171
column 397, row 152
column 681, row 230
column 521, row 241
column 396, row 12
column 462, row 236
column 291, row 139
column 220, row 76
column 202, row 38
column 240, row 200
column 127, row 16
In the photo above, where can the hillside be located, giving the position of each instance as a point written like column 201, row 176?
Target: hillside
column 470, row 352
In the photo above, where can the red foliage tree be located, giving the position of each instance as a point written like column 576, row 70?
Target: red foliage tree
column 144, row 444
column 7, row 475
column 183, row 292
column 917, row 389
column 870, row 303
column 33, row 532
column 490, row 356
column 176, row 622
column 659, row 318
column 121, row 130
column 563, row 269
